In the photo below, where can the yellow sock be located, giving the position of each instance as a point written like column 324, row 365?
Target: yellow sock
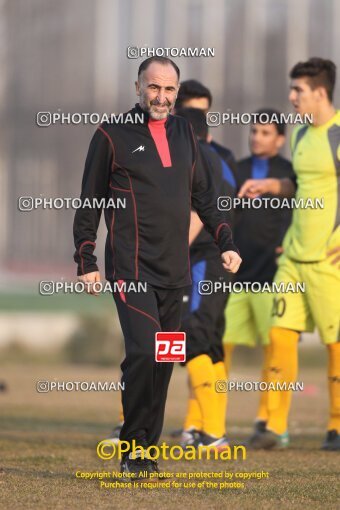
column 283, row 367
column 220, row 375
column 228, row 351
column 262, row 412
column 334, row 386
column 202, row 379
column 193, row 417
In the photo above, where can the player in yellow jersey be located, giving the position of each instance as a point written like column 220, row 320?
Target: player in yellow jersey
column 311, row 248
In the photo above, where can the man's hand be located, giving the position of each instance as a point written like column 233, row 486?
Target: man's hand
column 336, row 252
column 231, row 261
column 89, row 279
column 253, row 188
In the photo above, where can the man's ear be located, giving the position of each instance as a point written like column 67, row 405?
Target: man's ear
column 322, row 94
column 137, row 88
column 280, row 141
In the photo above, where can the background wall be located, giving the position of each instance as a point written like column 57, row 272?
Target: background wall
column 71, row 55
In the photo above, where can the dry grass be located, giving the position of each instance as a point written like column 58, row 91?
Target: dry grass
column 46, row 438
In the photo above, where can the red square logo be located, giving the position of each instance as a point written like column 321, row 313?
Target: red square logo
column 170, row 346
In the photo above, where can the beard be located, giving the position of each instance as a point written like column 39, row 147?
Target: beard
column 152, row 107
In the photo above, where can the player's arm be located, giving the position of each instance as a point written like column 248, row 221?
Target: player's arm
column 204, row 201
column 86, row 221
column 253, row 188
column 195, row 227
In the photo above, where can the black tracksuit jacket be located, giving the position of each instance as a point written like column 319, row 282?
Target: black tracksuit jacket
column 259, row 231
column 159, row 169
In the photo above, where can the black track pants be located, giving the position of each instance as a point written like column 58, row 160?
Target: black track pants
column 146, row 382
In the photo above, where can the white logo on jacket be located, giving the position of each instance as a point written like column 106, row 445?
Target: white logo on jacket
column 140, row 149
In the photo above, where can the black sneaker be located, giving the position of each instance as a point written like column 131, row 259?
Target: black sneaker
column 138, row 467
column 189, row 437
column 268, row 440
column 205, row 441
column 332, row 441
column 260, row 426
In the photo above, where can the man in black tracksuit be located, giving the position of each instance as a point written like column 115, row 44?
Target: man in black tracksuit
column 156, row 166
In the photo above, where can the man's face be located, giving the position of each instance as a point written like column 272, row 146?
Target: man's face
column 157, row 89
column 201, row 103
column 264, row 140
column 304, row 99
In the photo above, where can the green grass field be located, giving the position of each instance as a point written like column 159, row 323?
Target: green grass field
column 46, row 437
